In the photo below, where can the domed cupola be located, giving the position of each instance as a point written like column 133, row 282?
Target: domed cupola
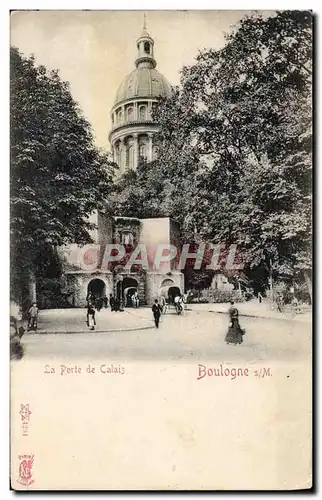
column 132, row 131
column 145, row 45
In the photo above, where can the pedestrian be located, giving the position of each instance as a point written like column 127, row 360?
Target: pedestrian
column 184, row 298
column 135, row 300
column 295, row 305
column 235, row 332
column 91, row 322
column 156, row 309
column 105, row 301
column 33, row 317
column 98, row 303
column 178, row 304
column 163, row 304
column 117, row 304
column 260, row 297
column 280, row 303
column 112, row 302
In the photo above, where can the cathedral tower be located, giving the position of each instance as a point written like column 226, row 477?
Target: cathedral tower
column 133, row 129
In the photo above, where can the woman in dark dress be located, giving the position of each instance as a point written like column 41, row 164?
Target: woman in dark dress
column 235, row 332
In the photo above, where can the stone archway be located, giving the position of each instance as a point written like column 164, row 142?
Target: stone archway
column 130, row 286
column 169, row 290
column 167, row 282
column 173, row 291
column 97, row 288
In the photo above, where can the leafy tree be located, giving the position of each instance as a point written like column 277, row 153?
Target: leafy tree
column 129, row 196
column 266, row 114
column 235, row 144
column 58, row 176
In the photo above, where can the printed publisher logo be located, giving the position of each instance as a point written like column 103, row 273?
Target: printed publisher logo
column 25, row 469
column 25, row 417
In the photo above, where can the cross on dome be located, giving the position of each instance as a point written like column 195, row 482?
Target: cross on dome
column 145, row 46
column 144, row 31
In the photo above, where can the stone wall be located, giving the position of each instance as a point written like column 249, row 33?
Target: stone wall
column 126, row 225
column 148, row 231
column 142, row 289
column 140, row 278
column 105, row 229
column 149, row 284
column 156, row 232
column 154, row 281
column 79, row 282
column 93, row 218
column 175, row 240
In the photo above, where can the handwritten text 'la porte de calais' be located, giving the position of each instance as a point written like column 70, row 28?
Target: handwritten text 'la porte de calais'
column 65, row 370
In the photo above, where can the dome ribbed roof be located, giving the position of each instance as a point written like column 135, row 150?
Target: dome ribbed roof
column 143, row 82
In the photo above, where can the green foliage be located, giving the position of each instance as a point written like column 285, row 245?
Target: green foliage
column 58, row 176
column 234, row 162
column 213, row 296
column 198, row 279
column 49, row 293
column 16, row 349
column 137, row 192
column 198, row 300
column 221, row 296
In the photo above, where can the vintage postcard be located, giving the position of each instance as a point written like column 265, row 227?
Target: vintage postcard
column 161, row 298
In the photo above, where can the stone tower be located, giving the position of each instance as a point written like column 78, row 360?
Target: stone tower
column 133, row 129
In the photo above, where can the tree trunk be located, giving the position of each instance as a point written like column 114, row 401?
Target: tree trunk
column 271, row 287
column 240, row 290
column 308, row 284
column 32, row 287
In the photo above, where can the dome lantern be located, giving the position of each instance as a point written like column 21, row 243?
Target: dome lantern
column 133, row 125
column 145, row 45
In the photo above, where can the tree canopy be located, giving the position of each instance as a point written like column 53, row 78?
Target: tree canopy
column 235, row 146
column 58, row 176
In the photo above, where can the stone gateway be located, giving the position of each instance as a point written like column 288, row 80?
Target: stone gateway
column 131, row 138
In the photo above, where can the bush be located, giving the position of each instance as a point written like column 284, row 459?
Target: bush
column 16, row 349
column 219, row 296
column 216, row 296
column 198, row 300
column 302, row 293
column 193, row 296
column 248, row 294
column 50, row 295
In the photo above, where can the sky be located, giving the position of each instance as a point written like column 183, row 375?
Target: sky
column 95, row 50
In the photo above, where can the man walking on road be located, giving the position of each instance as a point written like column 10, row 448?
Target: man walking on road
column 156, row 309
